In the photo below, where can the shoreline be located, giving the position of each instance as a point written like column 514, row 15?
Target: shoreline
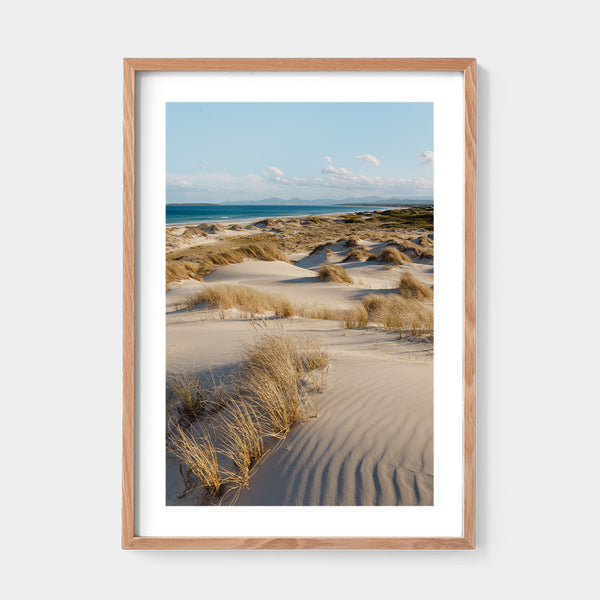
column 235, row 221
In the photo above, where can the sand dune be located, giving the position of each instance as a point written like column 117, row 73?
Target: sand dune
column 302, row 284
column 371, row 442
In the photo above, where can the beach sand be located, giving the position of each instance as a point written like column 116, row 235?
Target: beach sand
column 371, row 441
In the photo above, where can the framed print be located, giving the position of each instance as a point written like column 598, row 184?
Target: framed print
column 299, row 303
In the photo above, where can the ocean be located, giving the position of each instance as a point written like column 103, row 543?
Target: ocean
column 224, row 212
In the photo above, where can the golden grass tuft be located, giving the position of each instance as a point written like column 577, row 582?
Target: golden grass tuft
column 199, row 456
column 178, row 270
column 392, row 255
column 409, row 317
column 246, row 299
column 276, row 366
column 334, row 273
column 357, row 254
column 411, row 287
column 355, row 318
column 241, row 437
column 186, row 396
column 215, row 228
column 351, row 242
column 270, row 394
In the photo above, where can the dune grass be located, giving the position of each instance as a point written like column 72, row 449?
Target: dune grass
column 186, row 264
column 411, row 287
column 179, row 270
column 249, row 301
column 359, row 254
column 407, row 316
column 412, row 249
column 199, row 455
column 350, row 242
column 392, row 255
column 356, row 318
column 274, row 379
column 185, row 396
column 334, row 273
column 242, row 441
column 269, row 395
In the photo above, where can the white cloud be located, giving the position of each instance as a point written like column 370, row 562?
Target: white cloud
column 328, row 159
column 369, row 158
column 203, row 165
column 426, row 157
column 275, row 175
column 272, row 172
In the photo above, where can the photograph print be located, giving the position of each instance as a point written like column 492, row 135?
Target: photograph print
column 299, row 304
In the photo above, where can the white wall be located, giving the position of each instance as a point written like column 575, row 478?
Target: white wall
column 61, row 301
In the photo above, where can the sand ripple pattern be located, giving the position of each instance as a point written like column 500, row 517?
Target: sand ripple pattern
column 372, row 443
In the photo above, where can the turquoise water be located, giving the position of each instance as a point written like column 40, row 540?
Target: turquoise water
column 224, row 213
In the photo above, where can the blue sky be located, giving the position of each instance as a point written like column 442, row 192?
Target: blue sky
column 223, row 152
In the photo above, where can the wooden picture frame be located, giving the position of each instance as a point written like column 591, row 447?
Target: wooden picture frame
column 132, row 66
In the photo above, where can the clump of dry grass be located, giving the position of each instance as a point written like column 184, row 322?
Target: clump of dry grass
column 409, row 317
column 241, row 437
column 215, row 228
column 352, row 319
column 357, row 254
column 411, row 287
column 197, row 268
column 276, row 366
column 270, row 394
column 414, row 250
column 268, row 222
column 194, row 231
column 256, row 251
column 250, row 301
column 178, row 269
column 390, row 254
column 320, row 247
column 254, row 303
column 334, row 273
column 186, row 396
column 199, row 455
column 236, row 227
column 425, row 240
column 351, row 242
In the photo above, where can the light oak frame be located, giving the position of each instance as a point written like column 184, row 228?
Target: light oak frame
column 468, row 67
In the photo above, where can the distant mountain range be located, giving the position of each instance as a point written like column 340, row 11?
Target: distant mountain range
column 369, row 201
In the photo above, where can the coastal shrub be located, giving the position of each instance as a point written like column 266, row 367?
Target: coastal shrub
column 390, row 254
column 334, row 273
column 411, row 287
